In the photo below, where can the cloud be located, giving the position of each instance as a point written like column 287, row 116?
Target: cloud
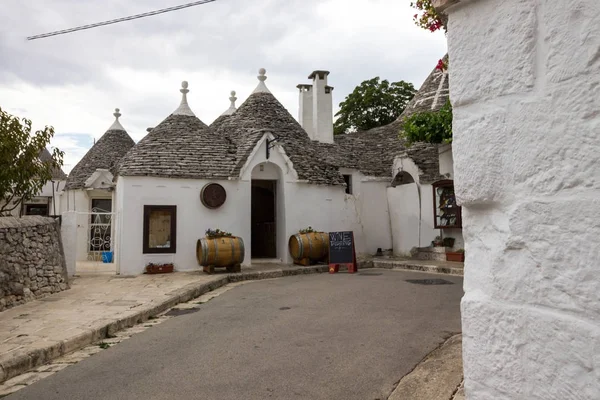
column 74, row 146
column 74, row 81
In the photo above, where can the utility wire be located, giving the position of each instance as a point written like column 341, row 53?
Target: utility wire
column 114, row 21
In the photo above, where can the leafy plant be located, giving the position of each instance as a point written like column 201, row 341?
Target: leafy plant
column 22, row 172
column 103, row 345
column 460, row 250
column 429, row 126
column 307, row 230
column 217, row 233
column 448, row 242
column 373, row 103
column 438, row 241
column 427, row 16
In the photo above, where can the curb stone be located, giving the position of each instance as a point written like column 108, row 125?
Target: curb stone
column 437, row 377
column 23, row 362
column 417, row 267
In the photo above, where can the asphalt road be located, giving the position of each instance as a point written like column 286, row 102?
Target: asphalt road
column 306, row 337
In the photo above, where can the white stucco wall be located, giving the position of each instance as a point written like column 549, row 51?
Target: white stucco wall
column 412, row 220
column 404, row 215
column 524, row 79
column 367, row 209
column 69, row 239
column 446, row 161
column 193, row 219
column 79, row 203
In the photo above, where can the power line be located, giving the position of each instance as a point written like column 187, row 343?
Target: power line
column 114, row 21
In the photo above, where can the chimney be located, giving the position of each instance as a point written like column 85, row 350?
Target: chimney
column 322, row 113
column 306, row 109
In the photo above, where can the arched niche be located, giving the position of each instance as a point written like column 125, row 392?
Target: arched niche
column 266, row 170
column 402, row 178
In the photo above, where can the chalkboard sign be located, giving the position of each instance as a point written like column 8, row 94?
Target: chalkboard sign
column 341, row 251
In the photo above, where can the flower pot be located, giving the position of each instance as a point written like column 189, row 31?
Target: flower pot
column 159, row 268
column 455, row 256
column 449, row 242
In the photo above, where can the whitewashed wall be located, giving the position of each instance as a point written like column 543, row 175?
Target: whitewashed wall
column 193, row 219
column 411, row 218
column 79, row 202
column 525, row 93
column 446, row 161
column 404, row 215
column 68, row 233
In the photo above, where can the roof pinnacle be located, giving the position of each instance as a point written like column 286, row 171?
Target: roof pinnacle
column 184, row 108
column 261, row 88
column 231, row 108
column 116, row 126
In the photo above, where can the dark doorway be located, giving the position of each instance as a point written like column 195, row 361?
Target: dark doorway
column 263, row 219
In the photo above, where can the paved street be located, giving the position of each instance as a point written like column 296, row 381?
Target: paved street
column 303, row 337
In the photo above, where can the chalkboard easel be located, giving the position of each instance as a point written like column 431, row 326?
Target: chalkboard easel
column 342, row 252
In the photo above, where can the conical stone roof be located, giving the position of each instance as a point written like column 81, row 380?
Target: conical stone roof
column 181, row 146
column 262, row 113
column 104, row 154
column 57, row 173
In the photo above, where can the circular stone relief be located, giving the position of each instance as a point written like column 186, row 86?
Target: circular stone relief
column 213, row 195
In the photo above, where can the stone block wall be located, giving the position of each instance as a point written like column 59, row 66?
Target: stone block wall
column 525, row 86
column 32, row 262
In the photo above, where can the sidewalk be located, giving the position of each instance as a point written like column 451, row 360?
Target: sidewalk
column 438, row 377
column 97, row 306
column 437, row 267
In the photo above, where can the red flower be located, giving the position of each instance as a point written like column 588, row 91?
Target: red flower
column 441, row 65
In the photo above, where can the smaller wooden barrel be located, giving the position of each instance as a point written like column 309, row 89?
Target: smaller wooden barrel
column 314, row 246
column 220, row 252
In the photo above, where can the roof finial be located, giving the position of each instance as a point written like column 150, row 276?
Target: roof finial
column 184, row 108
column 261, row 88
column 116, row 126
column 231, row 108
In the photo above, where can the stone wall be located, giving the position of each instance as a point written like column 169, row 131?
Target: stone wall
column 525, row 87
column 32, row 262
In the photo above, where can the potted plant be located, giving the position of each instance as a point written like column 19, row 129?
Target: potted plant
column 156, row 268
column 217, row 233
column 307, row 230
column 438, row 242
column 449, row 242
column 458, row 255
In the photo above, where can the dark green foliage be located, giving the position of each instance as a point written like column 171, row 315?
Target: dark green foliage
column 430, row 127
column 373, row 103
column 22, row 173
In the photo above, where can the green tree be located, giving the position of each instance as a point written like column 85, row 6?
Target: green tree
column 429, row 126
column 22, row 173
column 373, row 103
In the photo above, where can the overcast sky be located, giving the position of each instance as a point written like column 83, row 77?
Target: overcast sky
column 74, row 81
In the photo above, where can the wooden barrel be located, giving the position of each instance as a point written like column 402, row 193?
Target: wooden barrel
column 220, row 252
column 313, row 246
